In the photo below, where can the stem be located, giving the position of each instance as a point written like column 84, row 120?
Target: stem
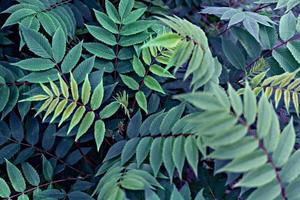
column 47, row 153
column 296, row 37
column 47, row 184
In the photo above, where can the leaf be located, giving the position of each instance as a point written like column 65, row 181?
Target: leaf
column 287, row 26
column 23, row 197
column 156, row 155
column 74, row 88
column 125, row 6
column 86, row 123
column 59, row 45
column 72, row 58
column 263, row 117
column 15, row 176
column 285, row 145
column 250, row 107
column 47, row 169
column 141, row 100
column 17, row 16
column 86, row 91
column 97, row 96
column 134, row 125
column 31, row 174
column 106, row 22
column 245, row 163
column 133, row 16
column 83, row 69
column 192, row 154
column 4, row 97
column 135, row 27
column 109, row 110
column 4, row 191
column 130, row 82
column 159, row 71
column 129, row 149
column 100, row 50
column 290, row 170
column 233, row 54
column 167, row 40
column 37, row 43
column 35, row 64
column 257, row 177
column 76, row 118
column 102, row 35
column 138, row 67
column 143, row 149
column 178, row 154
column 112, row 12
column 153, row 84
column 99, row 133
column 64, row 87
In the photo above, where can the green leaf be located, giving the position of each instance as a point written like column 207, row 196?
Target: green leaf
column 64, row 87
column 153, row 84
column 138, row 67
column 106, row 22
column 86, row 123
column 99, row 133
column 142, row 149
column 47, row 169
column 102, row 35
column 59, row 45
column 4, row 90
column 156, row 155
column 287, row 26
column 192, row 154
column 127, row 41
column 125, row 6
column 23, row 197
column 4, row 191
column 233, row 54
column 100, row 50
column 167, row 40
column 129, row 149
column 159, row 71
column 97, row 96
column 109, row 110
column 74, row 88
column 31, row 174
column 37, row 43
column 35, row 64
column 250, row 107
column 264, row 119
column 130, row 82
column 112, row 12
column 72, row 58
column 135, row 27
column 178, row 154
column 17, row 16
column 235, row 101
column 285, row 145
column 15, row 176
column 141, row 100
column 76, row 118
column 245, row 163
column 133, row 16
column 86, row 91
column 290, row 170
column 67, row 113
column 257, row 177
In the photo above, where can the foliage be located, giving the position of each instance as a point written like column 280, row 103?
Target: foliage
column 140, row 99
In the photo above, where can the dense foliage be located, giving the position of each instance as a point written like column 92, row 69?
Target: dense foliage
column 149, row 99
